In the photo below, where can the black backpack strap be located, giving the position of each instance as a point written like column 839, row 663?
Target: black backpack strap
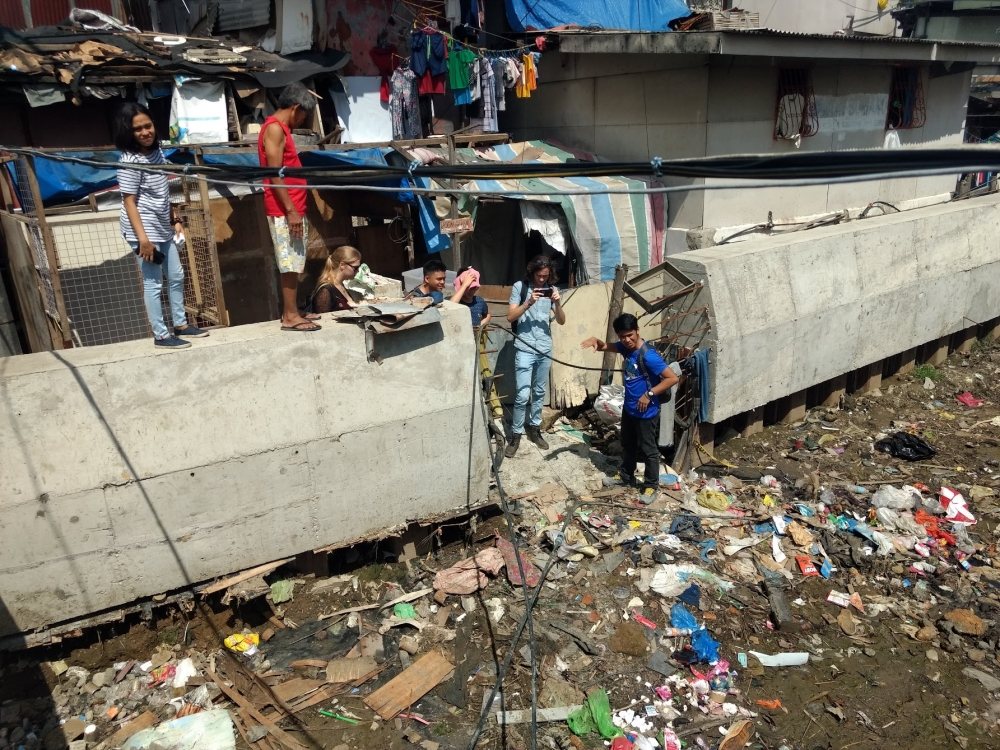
column 523, row 298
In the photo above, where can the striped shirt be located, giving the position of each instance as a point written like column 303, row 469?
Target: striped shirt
column 153, row 197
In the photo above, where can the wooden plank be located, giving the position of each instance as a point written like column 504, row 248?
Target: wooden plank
column 145, row 720
column 410, row 685
column 273, row 729
column 964, row 340
column 870, row 378
column 260, row 570
column 793, row 408
column 295, row 688
column 62, row 330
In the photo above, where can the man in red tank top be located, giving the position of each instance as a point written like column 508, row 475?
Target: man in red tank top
column 285, row 198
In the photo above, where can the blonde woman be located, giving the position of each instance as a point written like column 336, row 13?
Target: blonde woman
column 331, row 294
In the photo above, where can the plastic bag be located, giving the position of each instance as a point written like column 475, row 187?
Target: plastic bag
column 888, row 496
column 594, row 716
column 609, row 403
column 905, row 446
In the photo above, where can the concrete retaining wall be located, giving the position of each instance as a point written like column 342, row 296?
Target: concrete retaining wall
column 126, row 472
column 790, row 312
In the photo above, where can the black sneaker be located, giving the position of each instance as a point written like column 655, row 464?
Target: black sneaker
column 512, row 446
column 535, row 436
column 191, row 332
column 172, row 342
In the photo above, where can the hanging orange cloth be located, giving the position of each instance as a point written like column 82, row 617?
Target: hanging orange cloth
column 528, row 81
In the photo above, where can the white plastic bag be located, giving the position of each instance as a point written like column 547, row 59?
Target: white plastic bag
column 609, row 403
column 198, row 111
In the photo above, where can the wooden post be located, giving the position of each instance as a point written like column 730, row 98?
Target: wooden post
column 793, row 408
column 617, row 302
column 753, row 422
column 964, row 340
column 61, row 338
column 836, row 389
column 991, row 330
column 907, row 362
column 453, row 207
column 938, row 351
column 869, row 378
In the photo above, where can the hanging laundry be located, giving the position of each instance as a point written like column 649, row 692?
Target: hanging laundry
column 432, row 84
column 404, row 105
column 386, row 60
column 428, row 52
column 460, row 62
column 488, row 87
column 499, row 92
column 528, row 81
column 475, row 84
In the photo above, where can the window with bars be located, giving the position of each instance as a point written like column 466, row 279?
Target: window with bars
column 795, row 108
column 906, row 99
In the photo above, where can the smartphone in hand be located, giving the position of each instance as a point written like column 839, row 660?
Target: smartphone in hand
column 545, row 291
column 158, row 257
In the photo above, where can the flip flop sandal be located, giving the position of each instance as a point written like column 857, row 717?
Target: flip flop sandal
column 307, row 326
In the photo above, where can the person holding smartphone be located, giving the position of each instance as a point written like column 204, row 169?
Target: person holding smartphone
column 148, row 225
column 534, row 303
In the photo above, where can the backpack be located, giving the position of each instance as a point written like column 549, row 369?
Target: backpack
column 521, row 301
column 644, row 371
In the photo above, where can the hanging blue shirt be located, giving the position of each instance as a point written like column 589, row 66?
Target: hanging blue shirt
column 635, row 384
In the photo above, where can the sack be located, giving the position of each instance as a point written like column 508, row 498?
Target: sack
column 906, row 446
column 609, row 403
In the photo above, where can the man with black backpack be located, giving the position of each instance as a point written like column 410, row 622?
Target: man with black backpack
column 647, row 377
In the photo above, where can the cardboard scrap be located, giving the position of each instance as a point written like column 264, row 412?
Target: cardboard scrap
column 469, row 575
column 349, row 670
column 410, row 685
column 295, row 688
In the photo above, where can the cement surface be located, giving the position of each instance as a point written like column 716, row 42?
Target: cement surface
column 128, row 472
column 790, row 312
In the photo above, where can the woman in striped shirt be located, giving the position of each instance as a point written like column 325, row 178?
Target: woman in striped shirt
column 148, row 223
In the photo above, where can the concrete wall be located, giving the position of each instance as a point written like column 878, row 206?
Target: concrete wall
column 821, row 16
column 127, row 472
column 632, row 107
column 790, row 312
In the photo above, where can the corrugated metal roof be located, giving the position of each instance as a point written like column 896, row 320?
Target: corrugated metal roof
column 780, row 33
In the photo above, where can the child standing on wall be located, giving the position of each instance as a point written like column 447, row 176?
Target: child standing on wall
column 647, row 377
column 148, row 225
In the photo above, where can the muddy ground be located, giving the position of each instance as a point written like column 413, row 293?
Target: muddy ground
column 896, row 681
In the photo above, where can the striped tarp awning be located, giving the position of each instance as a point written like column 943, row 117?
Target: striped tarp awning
column 606, row 229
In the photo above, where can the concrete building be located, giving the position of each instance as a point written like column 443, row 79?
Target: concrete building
column 816, row 17
column 631, row 97
column 950, row 20
column 127, row 474
column 791, row 307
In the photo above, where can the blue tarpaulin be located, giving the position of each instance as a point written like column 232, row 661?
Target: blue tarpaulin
column 633, row 15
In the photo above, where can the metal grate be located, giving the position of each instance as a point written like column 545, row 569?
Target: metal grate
column 101, row 284
column 906, row 99
column 795, row 108
column 202, row 282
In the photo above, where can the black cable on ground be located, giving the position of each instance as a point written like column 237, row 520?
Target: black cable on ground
column 530, row 597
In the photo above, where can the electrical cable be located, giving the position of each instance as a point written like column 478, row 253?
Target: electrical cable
column 787, row 169
column 529, row 600
column 544, row 354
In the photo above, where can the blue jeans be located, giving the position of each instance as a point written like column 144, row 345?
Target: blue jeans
column 531, row 375
column 152, row 288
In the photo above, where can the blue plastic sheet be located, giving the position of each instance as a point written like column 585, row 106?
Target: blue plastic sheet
column 632, row 15
column 704, row 645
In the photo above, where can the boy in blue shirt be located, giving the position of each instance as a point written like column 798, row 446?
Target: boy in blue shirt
column 647, row 377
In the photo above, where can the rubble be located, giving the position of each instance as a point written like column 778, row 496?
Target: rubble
column 762, row 600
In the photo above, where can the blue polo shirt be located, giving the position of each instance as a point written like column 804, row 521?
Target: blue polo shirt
column 635, row 384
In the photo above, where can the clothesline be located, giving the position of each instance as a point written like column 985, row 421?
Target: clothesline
column 474, row 48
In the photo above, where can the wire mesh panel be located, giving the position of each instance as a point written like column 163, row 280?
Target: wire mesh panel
column 101, row 284
column 202, row 284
